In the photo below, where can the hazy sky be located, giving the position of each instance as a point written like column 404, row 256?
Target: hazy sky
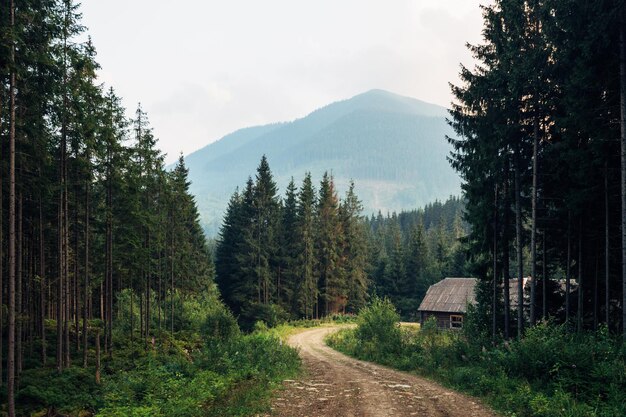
column 202, row 69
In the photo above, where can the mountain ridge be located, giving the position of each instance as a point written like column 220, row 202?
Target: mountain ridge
column 378, row 139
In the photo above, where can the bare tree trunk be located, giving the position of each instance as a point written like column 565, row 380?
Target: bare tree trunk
column 622, row 71
column 579, row 309
column 132, row 312
column 75, row 304
column 18, row 291
column 172, row 281
column 141, row 294
column 160, row 288
column 1, row 280
column 42, row 272
column 533, row 238
column 544, row 278
column 11, row 329
column 98, row 356
column 148, row 290
column 518, row 239
column 60, row 292
column 568, row 270
column 494, row 299
column 86, row 291
column 606, row 244
column 102, row 316
column 68, row 293
column 595, row 294
column 109, row 255
column 505, row 262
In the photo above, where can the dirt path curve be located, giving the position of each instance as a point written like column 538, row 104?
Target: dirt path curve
column 337, row 385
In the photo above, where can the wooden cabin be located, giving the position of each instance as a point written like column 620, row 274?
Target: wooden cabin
column 447, row 301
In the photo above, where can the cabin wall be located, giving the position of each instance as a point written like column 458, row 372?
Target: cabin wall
column 443, row 319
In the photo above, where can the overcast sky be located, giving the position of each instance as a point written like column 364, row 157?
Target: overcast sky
column 202, row 69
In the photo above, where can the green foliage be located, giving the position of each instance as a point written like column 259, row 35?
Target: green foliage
column 72, row 391
column 219, row 325
column 378, row 329
column 303, row 257
column 208, row 368
column 548, row 373
column 270, row 314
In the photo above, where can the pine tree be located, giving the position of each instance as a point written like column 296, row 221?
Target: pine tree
column 307, row 288
column 264, row 234
column 354, row 250
column 288, row 251
column 329, row 261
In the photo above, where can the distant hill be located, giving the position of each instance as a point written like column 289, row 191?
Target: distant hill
column 393, row 147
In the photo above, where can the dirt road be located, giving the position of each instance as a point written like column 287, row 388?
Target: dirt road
column 335, row 385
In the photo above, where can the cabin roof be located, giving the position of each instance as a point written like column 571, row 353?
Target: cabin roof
column 450, row 295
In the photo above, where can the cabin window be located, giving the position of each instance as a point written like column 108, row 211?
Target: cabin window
column 456, row 321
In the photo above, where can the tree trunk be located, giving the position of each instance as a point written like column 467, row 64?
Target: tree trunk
column 75, row 303
column 505, row 262
column 18, row 289
column 172, row 281
column 568, row 270
column 11, row 329
column 66, row 257
column 579, row 309
column 606, row 244
column 160, row 271
column 109, row 256
column 1, row 277
column 518, row 239
column 148, row 290
column 98, row 356
column 544, row 278
column 494, row 295
column 42, row 273
column 622, row 71
column 533, row 238
column 86, row 291
column 595, row 293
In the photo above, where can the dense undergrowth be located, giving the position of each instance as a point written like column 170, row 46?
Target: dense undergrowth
column 208, row 369
column 550, row 372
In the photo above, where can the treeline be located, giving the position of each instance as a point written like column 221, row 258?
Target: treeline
column 412, row 250
column 94, row 229
column 539, row 119
column 302, row 256
column 309, row 254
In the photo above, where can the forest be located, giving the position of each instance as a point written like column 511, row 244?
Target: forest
column 541, row 119
column 311, row 254
column 106, row 280
column 411, row 250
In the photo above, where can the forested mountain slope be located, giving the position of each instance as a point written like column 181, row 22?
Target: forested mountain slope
column 393, row 147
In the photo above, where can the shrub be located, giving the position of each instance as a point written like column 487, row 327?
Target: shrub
column 70, row 392
column 378, row 329
column 219, row 325
column 271, row 314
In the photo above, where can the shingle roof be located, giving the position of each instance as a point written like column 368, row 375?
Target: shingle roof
column 451, row 295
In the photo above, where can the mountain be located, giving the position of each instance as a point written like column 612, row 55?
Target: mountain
column 393, row 147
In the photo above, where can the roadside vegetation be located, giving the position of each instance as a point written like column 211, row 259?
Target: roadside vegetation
column 550, row 372
column 209, row 368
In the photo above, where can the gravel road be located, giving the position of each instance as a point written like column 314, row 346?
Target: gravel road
column 336, row 385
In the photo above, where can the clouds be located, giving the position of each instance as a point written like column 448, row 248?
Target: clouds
column 204, row 69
